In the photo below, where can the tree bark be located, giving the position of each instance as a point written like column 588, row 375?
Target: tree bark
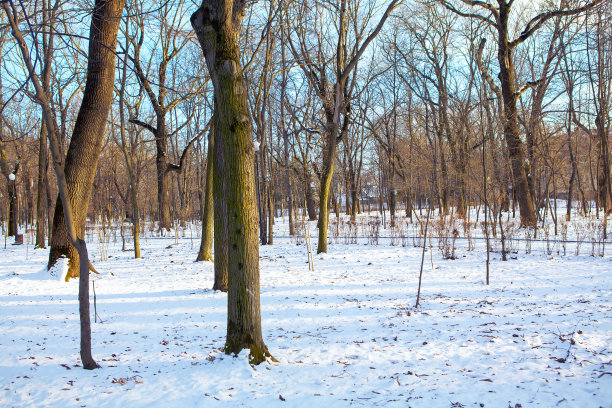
column 208, row 219
column 220, row 211
column 329, row 156
column 217, row 25
column 86, row 142
column 310, row 197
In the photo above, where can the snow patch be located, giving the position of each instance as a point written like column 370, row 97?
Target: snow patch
column 60, row 269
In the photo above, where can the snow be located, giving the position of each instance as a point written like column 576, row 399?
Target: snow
column 345, row 334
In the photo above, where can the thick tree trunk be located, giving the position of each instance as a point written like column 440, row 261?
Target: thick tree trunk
column 408, row 204
column 205, row 252
column 217, row 25
column 392, row 202
column 88, row 134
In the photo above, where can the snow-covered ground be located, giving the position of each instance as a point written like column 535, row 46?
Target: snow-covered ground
column 345, row 334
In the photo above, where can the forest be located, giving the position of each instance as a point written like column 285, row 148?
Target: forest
column 259, row 160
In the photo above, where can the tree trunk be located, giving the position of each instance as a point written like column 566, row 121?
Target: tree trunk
column 443, row 184
column 219, row 210
column 135, row 215
column 161, row 163
column 41, row 195
column 391, row 198
column 205, row 253
column 262, row 192
column 13, row 210
column 310, row 200
column 88, row 134
column 327, row 174
column 128, row 156
column 42, row 203
column 10, row 184
column 217, row 25
column 604, row 194
column 287, row 172
column 516, row 151
column 271, row 210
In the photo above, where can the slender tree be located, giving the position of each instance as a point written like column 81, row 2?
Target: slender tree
column 206, row 245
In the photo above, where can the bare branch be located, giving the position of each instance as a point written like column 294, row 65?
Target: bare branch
column 145, row 125
column 349, row 67
column 541, row 18
column 179, row 167
column 452, row 8
column 529, row 84
column 484, row 71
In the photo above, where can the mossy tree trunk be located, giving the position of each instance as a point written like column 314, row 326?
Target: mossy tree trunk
column 329, row 157
column 220, row 210
column 206, row 244
column 310, row 195
column 217, row 25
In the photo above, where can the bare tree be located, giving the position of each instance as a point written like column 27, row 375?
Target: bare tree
column 334, row 87
column 153, row 75
column 73, row 180
column 496, row 16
